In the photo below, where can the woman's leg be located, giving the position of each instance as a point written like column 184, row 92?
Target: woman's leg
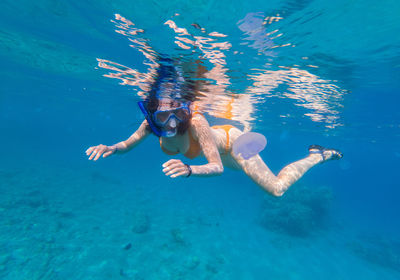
column 259, row 172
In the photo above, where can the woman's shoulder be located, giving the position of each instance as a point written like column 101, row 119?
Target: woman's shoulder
column 198, row 119
column 199, row 126
column 197, row 114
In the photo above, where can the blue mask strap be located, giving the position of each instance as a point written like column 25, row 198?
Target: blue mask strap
column 153, row 127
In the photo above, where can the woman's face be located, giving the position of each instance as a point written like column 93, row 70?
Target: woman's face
column 170, row 113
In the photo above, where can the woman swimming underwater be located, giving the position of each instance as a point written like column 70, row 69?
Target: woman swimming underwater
column 182, row 130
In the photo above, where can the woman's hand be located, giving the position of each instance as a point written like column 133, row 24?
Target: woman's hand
column 96, row 151
column 175, row 168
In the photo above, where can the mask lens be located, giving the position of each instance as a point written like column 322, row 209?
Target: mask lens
column 182, row 114
column 162, row 117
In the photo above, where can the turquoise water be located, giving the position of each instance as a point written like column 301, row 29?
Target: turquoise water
column 299, row 72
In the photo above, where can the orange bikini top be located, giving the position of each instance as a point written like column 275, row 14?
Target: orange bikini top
column 193, row 151
column 194, row 146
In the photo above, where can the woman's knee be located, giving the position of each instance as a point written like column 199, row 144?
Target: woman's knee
column 276, row 189
column 277, row 193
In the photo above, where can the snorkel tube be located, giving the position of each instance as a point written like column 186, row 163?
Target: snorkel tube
column 146, row 114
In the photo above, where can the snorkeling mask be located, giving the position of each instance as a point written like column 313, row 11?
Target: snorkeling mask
column 161, row 118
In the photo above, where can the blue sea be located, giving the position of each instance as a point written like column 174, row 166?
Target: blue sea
column 300, row 72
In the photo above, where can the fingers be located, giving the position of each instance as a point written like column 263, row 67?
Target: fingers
column 99, row 153
column 174, row 168
column 88, row 151
column 106, row 154
column 171, row 164
column 175, row 171
column 93, row 154
column 96, row 152
column 182, row 173
column 171, row 161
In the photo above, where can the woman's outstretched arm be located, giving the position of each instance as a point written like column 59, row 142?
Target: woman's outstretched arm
column 96, row 152
column 202, row 131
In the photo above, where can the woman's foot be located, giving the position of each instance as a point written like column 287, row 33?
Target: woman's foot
column 326, row 153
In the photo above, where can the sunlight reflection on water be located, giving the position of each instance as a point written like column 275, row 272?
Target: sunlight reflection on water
column 203, row 62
